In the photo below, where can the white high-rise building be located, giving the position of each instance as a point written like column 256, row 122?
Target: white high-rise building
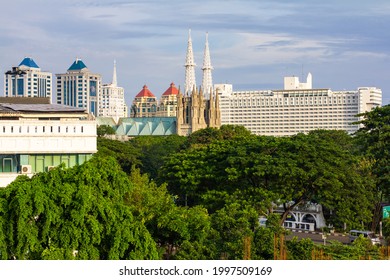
column 296, row 108
column 79, row 88
column 112, row 100
column 27, row 80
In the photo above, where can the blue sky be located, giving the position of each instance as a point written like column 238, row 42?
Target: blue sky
column 345, row 44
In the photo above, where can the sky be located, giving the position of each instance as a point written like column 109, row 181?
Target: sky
column 344, row 44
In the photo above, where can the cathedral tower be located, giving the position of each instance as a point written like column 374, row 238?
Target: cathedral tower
column 190, row 82
column 197, row 108
column 207, row 82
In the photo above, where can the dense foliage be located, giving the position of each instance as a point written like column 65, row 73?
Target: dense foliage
column 200, row 197
column 259, row 171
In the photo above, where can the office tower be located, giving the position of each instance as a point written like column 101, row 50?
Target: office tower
column 27, row 80
column 79, row 87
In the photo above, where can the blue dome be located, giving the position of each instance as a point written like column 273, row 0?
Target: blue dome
column 29, row 62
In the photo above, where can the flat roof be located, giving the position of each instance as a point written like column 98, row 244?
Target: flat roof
column 47, row 108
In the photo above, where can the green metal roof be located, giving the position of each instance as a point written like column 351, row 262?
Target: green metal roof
column 77, row 65
column 147, row 126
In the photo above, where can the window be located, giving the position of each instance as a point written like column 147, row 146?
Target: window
column 7, row 165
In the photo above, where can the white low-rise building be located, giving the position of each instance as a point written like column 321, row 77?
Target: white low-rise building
column 296, row 108
column 36, row 136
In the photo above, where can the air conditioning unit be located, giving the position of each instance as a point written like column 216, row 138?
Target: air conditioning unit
column 50, row 168
column 25, row 169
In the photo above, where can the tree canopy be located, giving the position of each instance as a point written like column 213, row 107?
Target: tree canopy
column 197, row 197
column 75, row 213
column 259, row 171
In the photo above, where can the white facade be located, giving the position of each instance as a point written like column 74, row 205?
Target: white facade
column 291, row 111
column 293, row 83
column 27, row 80
column 47, row 136
column 79, row 88
column 112, row 100
column 37, row 137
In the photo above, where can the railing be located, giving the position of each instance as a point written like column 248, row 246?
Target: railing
column 313, row 208
column 299, row 225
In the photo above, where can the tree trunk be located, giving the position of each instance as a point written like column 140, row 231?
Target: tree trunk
column 287, row 210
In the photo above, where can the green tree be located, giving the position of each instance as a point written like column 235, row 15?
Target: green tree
column 103, row 130
column 211, row 134
column 360, row 249
column 373, row 141
column 153, row 151
column 75, row 213
column 232, row 226
column 125, row 153
column 172, row 227
column 300, row 249
column 386, row 230
column 312, row 168
column 221, row 172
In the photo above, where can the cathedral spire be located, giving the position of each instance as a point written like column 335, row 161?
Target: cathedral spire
column 114, row 80
column 190, row 82
column 207, row 82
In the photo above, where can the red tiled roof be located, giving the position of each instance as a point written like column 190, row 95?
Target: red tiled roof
column 145, row 92
column 172, row 90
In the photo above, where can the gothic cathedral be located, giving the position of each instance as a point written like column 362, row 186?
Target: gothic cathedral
column 197, row 108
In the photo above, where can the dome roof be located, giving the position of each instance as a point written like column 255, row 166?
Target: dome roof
column 145, row 92
column 172, row 90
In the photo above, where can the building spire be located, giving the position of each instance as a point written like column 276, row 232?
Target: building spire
column 207, row 82
column 114, row 79
column 190, row 82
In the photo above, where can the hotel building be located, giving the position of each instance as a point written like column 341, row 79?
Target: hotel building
column 296, row 108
